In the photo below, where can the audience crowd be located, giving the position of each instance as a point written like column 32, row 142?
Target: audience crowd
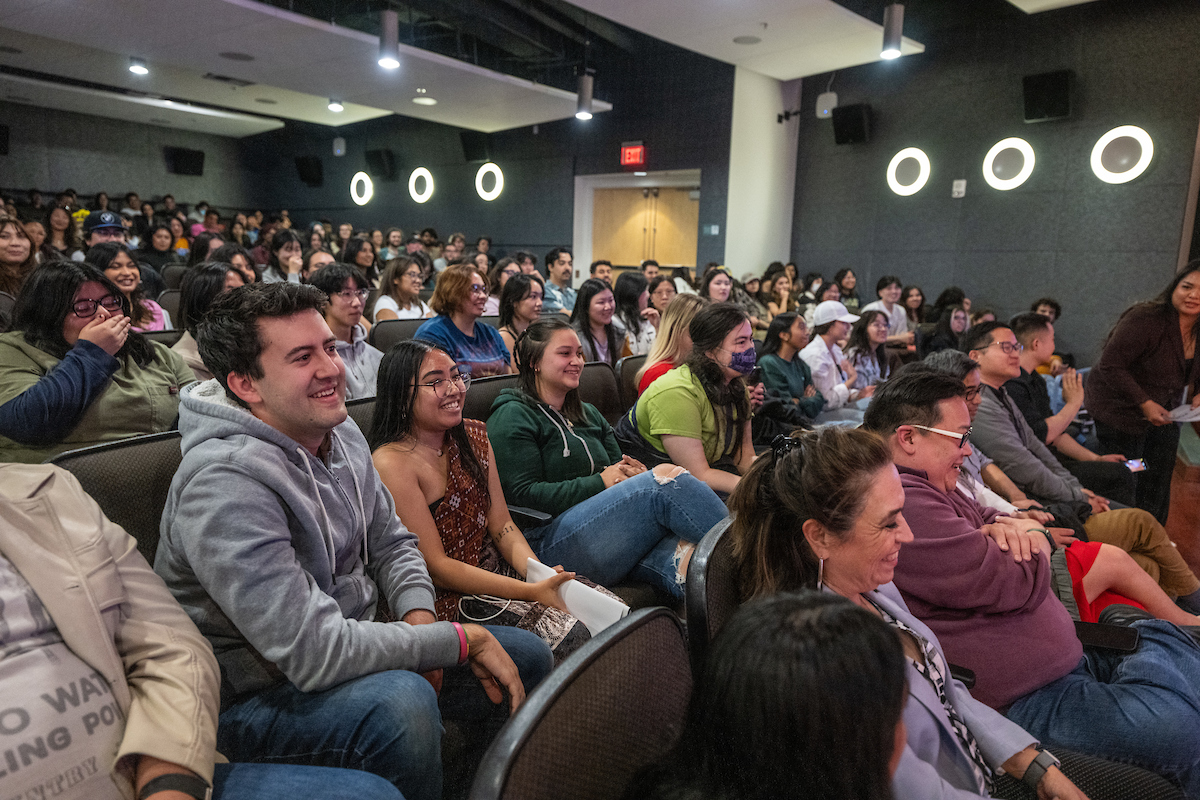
column 914, row 489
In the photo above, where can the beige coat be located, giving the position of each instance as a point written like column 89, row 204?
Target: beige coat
column 116, row 615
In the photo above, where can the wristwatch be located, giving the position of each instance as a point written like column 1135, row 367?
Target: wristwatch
column 1038, row 767
column 188, row 784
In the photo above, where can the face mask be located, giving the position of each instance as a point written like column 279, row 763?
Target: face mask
column 743, row 362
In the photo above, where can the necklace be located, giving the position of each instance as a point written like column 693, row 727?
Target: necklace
column 439, row 450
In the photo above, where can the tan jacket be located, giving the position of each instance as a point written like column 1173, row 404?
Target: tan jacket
column 116, row 615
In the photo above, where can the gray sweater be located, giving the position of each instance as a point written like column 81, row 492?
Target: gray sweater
column 1001, row 432
column 280, row 557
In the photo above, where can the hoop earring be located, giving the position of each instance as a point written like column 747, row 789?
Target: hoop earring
column 820, row 574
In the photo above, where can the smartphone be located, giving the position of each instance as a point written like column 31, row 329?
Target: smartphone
column 755, row 378
column 1136, row 464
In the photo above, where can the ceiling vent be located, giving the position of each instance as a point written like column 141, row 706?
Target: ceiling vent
column 228, row 81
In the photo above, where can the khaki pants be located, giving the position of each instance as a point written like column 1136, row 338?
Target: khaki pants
column 1138, row 533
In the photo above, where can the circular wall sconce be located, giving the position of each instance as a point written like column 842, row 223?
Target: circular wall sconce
column 361, row 189
column 486, row 169
column 898, row 169
column 420, row 197
column 1122, row 154
column 1000, row 168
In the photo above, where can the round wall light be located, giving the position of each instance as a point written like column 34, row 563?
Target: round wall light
column 361, row 188
column 489, row 168
column 899, row 170
column 1122, row 154
column 1000, row 165
column 417, row 174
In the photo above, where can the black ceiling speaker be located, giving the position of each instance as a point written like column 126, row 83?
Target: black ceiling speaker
column 1047, row 96
column 474, row 146
column 852, row 124
column 181, row 161
column 381, row 164
column 311, row 170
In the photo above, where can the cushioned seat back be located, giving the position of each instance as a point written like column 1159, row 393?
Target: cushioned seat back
column 386, row 333
column 610, row 709
column 712, row 592
column 361, row 411
column 169, row 300
column 627, row 370
column 172, row 275
column 168, row 338
column 598, row 386
column 483, row 393
column 129, row 480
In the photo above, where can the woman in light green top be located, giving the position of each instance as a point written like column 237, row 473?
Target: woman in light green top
column 73, row 373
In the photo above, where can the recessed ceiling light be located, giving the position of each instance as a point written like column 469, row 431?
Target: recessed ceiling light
column 266, row 101
column 746, row 40
column 138, row 66
column 422, row 91
column 13, row 51
column 232, row 56
column 640, row 174
column 425, row 101
column 336, row 106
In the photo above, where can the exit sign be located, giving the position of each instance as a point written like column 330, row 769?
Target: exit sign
column 633, row 154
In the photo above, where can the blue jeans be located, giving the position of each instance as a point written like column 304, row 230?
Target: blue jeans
column 387, row 723
column 289, row 782
column 1142, row 708
column 630, row 530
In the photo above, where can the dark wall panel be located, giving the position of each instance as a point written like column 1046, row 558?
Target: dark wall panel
column 1064, row 233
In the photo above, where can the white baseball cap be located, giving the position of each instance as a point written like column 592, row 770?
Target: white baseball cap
column 832, row 311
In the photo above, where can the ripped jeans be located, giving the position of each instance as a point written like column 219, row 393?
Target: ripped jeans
column 631, row 530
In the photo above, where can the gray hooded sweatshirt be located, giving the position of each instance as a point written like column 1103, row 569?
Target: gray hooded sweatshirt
column 279, row 557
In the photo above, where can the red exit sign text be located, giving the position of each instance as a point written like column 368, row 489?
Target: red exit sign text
column 633, row 155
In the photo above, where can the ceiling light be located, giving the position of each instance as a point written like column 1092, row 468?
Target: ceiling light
column 1122, row 154
column 361, row 189
column 893, row 30
column 907, row 189
column 420, row 173
column 336, row 106
column 425, row 101
column 138, row 66
column 1027, row 163
column 494, row 171
column 583, row 105
column 389, row 40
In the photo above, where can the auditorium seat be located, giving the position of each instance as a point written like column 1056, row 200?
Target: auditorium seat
column 172, row 275
column 627, row 370
column 168, row 337
column 169, row 300
column 612, row 708
column 386, row 333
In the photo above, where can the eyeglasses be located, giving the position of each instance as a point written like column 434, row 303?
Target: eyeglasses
column 1008, row 347
column 511, row 271
column 349, row 294
column 85, row 309
column 478, row 290
column 974, row 392
column 413, row 274
column 442, row 387
column 961, row 437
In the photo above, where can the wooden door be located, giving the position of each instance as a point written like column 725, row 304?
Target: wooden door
column 621, row 226
column 676, row 224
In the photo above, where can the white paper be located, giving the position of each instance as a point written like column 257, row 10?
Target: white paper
column 594, row 609
column 1185, row 413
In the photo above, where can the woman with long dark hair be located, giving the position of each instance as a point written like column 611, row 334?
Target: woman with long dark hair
column 73, row 373
column 286, row 257
column 867, row 349
column 784, row 373
column 636, row 320
column 613, row 518
column 360, row 252
column 847, row 282
column 400, row 291
column 698, row 414
column 497, row 276
column 764, row 722
column 951, row 325
column 520, row 306
column 201, row 285
column 117, row 263
column 61, row 235
column 203, row 247
column 592, row 319
column 1147, row 370
column 155, row 249
column 913, row 301
column 18, row 256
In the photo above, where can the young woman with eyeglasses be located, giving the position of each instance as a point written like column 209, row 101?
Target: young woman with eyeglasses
column 459, row 299
column 400, row 290
column 348, row 292
column 73, row 372
column 498, row 276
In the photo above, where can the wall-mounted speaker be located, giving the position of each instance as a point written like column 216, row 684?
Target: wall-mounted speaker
column 1047, row 96
column 852, row 124
column 311, row 170
column 381, row 164
column 181, row 161
column 475, row 146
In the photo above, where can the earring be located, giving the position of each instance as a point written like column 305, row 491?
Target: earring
column 820, row 574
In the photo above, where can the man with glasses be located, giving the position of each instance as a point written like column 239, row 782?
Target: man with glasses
column 282, row 544
column 347, row 299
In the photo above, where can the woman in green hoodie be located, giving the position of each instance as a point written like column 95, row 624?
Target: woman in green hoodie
column 613, row 518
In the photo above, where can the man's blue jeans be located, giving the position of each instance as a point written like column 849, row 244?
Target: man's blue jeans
column 388, row 723
column 1141, row 708
column 630, row 530
column 290, row 782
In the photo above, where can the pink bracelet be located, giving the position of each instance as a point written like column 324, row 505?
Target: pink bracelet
column 464, row 644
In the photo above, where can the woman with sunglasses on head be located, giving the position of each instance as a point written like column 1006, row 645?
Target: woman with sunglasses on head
column 400, row 290
column 73, row 373
column 458, row 299
column 612, row 518
column 477, row 556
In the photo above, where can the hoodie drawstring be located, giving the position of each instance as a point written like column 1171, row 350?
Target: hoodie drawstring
column 362, row 512
column 326, row 526
column 566, row 449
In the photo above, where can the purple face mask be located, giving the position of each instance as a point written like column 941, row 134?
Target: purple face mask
column 744, row 361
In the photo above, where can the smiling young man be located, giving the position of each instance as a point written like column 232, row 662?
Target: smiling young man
column 559, row 296
column 1000, row 616
column 888, row 288
column 281, row 542
column 343, row 285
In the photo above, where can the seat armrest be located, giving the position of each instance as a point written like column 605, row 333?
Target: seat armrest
column 527, row 517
